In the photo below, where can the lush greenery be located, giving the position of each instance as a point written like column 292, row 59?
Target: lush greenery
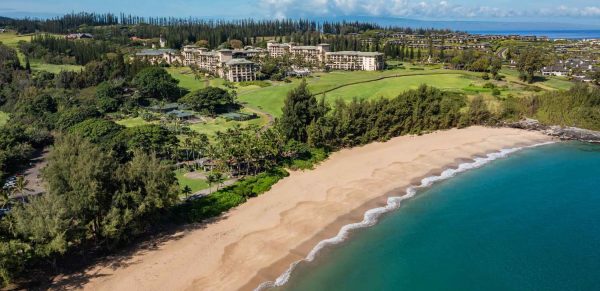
column 229, row 197
column 91, row 201
column 361, row 121
column 109, row 182
column 579, row 107
column 59, row 50
column 156, row 83
column 211, row 100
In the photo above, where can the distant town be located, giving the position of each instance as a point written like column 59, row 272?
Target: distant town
column 575, row 59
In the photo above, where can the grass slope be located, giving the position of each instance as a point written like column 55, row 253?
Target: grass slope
column 340, row 84
column 188, row 80
column 12, row 40
column 194, row 184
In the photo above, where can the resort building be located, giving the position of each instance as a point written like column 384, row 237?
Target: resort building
column 239, row 70
column 231, row 65
column 354, row 61
column 158, row 56
column 309, row 54
column 321, row 55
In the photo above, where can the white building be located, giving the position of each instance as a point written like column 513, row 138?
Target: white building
column 354, row 61
column 231, row 65
column 321, row 55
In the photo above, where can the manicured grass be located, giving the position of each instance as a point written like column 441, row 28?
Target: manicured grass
column 270, row 99
column 187, row 79
column 52, row 68
column 550, row 83
column 132, row 122
column 211, row 127
column 3, row 118
column 388, row 88
column 194, row 184
column 11, row 39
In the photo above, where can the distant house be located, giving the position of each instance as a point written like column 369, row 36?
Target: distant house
column 181, row 115
column 79, row 36
column 239, row 116
column 555, row 71
column 166, row 108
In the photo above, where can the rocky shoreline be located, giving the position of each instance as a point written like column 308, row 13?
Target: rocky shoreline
column 563, row 133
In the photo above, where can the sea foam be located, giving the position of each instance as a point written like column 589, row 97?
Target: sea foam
column 371, row 216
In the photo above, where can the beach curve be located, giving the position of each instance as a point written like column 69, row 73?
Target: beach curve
column 259, row 240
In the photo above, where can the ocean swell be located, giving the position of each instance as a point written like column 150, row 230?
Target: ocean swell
column 371, row 216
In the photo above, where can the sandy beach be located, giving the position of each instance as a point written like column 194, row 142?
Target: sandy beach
column 257, row 241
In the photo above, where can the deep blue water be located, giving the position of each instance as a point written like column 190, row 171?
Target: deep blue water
column 553, row 34
column 527, row 222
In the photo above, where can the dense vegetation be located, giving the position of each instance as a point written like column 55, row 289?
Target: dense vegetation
column 59, row 50
column 360, row 122
column 579, row 107
column 210, row 100
column 109, row 184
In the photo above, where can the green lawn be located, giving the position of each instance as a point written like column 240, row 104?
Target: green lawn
column 550, row 83
column 195, row 184
column 389, row 88
column 11, row 39
column 270, row 99
column 133, row 122
column 52, row 68
column 209, row 127
column 3, row 118
column 188, row 80
column 221, row 124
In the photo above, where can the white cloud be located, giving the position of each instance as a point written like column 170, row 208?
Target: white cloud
column 410, row 8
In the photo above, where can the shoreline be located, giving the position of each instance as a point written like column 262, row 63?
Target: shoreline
column 380, row 208
column 258, row 241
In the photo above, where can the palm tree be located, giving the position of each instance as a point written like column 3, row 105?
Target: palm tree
column 4, row 198
column 20, row 187
column 187, row 191
column 214, row 177
column 211, row 179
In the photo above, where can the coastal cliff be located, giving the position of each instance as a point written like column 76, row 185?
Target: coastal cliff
column 563, row 133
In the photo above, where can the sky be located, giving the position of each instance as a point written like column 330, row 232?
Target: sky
column 566, row 11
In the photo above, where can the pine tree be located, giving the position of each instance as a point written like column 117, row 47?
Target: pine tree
column 299, row 110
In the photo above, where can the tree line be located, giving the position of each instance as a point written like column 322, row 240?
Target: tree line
column 59, row 50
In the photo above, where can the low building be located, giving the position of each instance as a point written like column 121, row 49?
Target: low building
column 167, row 107
column 181, row 115
column 158, row 56
column 355, row 61
column 555, row 71
column 79, row 36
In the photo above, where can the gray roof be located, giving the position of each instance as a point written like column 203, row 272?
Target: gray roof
column 180, row 114
column 305, row 47
column 365, row 54
column 238, row 62
column 155, row 52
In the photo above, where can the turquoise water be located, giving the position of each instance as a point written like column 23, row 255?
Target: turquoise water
column 527, row 222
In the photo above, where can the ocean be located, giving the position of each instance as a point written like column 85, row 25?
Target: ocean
column 528, row 221
column 552, row 34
